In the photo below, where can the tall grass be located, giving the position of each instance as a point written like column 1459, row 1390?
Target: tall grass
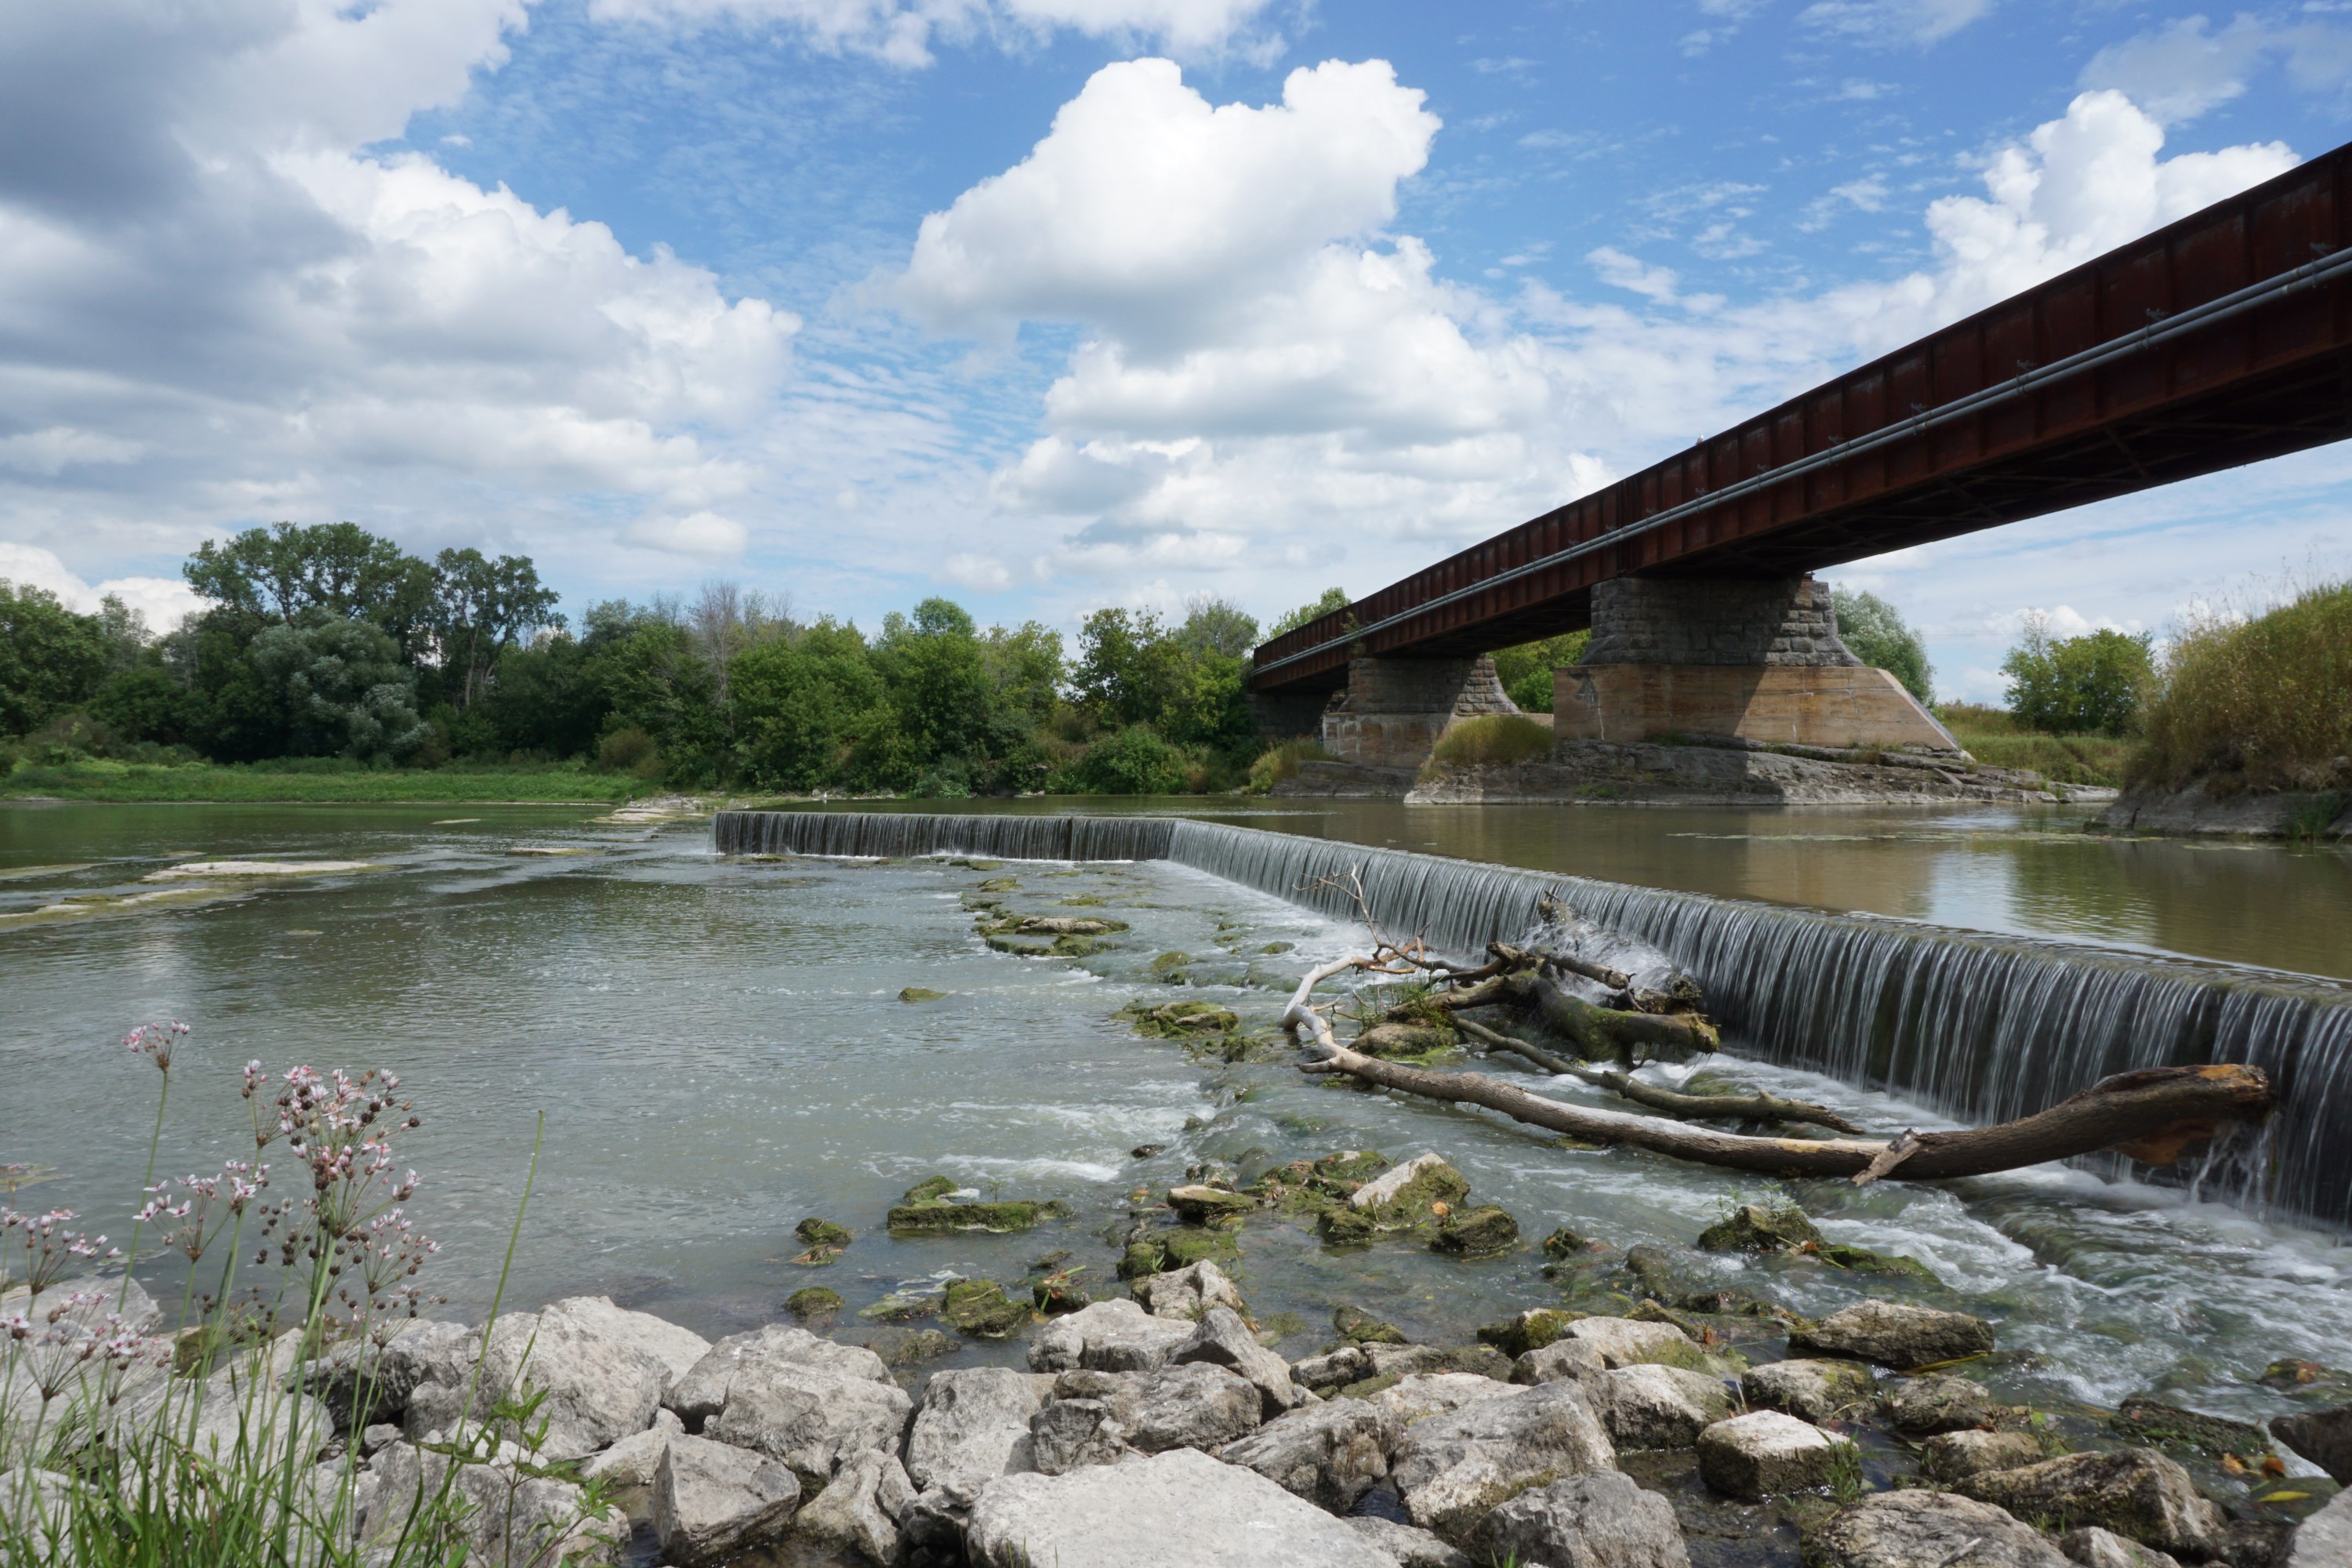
column 1995, row 737
column 105, row 779
column 1279, row 763
column 211, row 1448
column 2259, row 703
column 1495, row 740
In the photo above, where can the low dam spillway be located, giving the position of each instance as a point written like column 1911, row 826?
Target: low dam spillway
column 1983, row 1027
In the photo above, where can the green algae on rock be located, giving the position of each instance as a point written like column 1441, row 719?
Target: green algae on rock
column 921, row 993
column 1486, row 1232
column 818, row 1232
column 1179, row 1020
column 982, row 1309
column 1160, row 1251
column 815, row 1301
column 1752, row 1227
column 946, row 1219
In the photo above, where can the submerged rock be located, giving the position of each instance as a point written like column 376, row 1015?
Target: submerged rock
column 981, row 1308
column 1165, row 1251
column 1815, row 1390
column 1181, row 1020
column 1765, row 1452
column 1895, row 1334
column 921, row 993
column 1454, row 1469
column 2136, row 1492
column 1598, row 1521
column 1200, row 1204
column 908, row 1347
column 1924, row 1528
column 1405, row 1192
column 1476, row 1233
column 1180, row 1510
column 815, row 1232
column 943, row 1218
column 2145, row 1420
column 815, row 1301
column 1329, row 1454
column 1752, row 1227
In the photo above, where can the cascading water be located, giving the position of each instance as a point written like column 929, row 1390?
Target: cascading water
column 1983, row 1027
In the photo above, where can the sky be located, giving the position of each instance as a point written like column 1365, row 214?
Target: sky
column 1044, row 305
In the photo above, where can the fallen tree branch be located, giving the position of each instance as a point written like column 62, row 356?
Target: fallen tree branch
column 2159, row 1111
column 1496, row 1040
column 1610, row 1031
column 1521, row 957
column 1757, row 1107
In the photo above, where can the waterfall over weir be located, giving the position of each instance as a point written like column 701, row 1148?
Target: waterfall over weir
column 1983, row 1026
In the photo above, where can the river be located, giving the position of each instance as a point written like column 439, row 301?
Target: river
column 718, row 1049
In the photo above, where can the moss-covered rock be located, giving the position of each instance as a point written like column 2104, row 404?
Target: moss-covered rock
column 908, row 1347
column 1001, row 885
column 1201, row 1205
column 1404, row 1042
column 1485, row 1232
column 1530, row 1331
column 929, row 1190
column 921, row 993
column 1180, row 1020
column 948, row 1219
column 815, row 1301
column 1343, row 1226
column 1065, row 925
column 1060, row 1292
column 818, row 1232
column 2145, row 1420
column 1565, row 1243
column 1274, row 947
column 1753, row 1227
column 901, row 1306
column 1359, row 1327
column 1021, row 949
column 1159, row 1251
column 1171, row 966
column 1412, row 1191
column 1862, row 1261
column 982, row 1309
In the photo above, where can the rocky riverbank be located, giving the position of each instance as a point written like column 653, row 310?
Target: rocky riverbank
column 1706, row 771
column 2197, row 811
column 1157, row 1428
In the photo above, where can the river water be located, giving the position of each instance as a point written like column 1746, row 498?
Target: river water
column 718, row 1049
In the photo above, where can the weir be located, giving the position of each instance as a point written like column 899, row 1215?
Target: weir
column 1979, row 1026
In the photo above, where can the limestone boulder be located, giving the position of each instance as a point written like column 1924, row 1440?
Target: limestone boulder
column 1221, row 1339
column 514, row 1518
column 1109, row 1336
column 1454, row 1469
column 2095, row 1548
column 1196, row 1406
column 1177, row 1509
column 1895, row 1334
column 2324, row 1539
column 1570, row 1358
column 1765, row 1452
column 1416, row 1398
column 1411, row 1548
column 1628, row 1342
column 1330, row 1454
column 1404, row 1361
column 1924, row 1407
column 712, row 1501
column 702, row 1392
column 1070, row 1433
column 627, row 1467
column 1600, row 1520
column 2324, row 1436
column 676, row 1349
column 1186, row 1293
column 1332, row 1369
column 1923, row 1529
column 2136, row 1492
column 973, row 1425
column 1955, row 1456
column 1651, row 1406
column 856, row 1517
column 366, row 1383
column 1815, row 1390
column 597, row 1390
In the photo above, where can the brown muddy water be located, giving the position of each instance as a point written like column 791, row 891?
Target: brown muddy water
column 718, row 1049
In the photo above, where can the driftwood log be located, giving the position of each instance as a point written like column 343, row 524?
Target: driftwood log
column 1610, row 1031
column 2150, row 1116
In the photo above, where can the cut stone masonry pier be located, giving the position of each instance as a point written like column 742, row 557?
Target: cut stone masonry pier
column 1759, row 660
column 1394, row 709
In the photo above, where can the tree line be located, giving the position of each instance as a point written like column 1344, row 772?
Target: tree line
column 332, row 642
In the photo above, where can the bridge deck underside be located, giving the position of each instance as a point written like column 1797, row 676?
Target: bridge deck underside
column 2222, row 340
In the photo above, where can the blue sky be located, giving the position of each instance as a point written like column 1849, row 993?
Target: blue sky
column 1046, row 304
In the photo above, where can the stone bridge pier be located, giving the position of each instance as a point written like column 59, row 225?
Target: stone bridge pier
column 1757, row 660
column 1394, row 709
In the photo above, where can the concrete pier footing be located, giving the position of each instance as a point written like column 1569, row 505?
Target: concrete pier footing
column 1396, row 709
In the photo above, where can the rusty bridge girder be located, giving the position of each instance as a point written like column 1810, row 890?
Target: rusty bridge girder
column 2222, row 339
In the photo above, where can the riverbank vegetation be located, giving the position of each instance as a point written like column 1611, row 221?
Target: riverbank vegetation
column 326, row 653
column 2258, row 703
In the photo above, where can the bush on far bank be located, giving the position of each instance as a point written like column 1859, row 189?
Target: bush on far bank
column 2261, row 703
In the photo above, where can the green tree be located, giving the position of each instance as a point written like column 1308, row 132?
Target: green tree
column 479, row 608
column 653, row 679
column 347, row 692
column 1217, row 626
column 145, row 702
column 287, row 572
column 2071, row 686
column 541, row 700
column 1332, row 599
column 1525, row 670
column 50, row 658
column 802, row 706
column 1124, row 670
column 1879, row 636
column 1026, row 668
column 1135, row 760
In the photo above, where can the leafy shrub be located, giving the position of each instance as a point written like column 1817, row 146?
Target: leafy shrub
column 1279, row 765
column 2072, row 686
column 1495, row 740
column 2265, row 703
column 626, row 749
column 1877, row 634
column 1135, row 760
